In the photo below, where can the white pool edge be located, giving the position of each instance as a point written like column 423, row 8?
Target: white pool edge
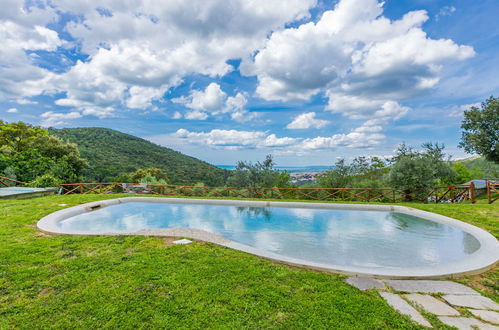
column 482, row 259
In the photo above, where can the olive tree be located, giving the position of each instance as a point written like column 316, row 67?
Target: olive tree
column 258, row 175
column 417, row 172
column 340, row 176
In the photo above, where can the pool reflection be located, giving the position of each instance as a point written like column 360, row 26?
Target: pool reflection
column 337, row 237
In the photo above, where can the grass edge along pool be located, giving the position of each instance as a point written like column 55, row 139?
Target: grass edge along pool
column 484, row 258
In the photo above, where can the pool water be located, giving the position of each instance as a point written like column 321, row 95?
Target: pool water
column 335, row 237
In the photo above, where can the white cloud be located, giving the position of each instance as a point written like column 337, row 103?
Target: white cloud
column 196, row 115
column 363, row 137
column 367, row 135
column 12, row 110
column 273, row 141
column 391, row 110
column 142, row 97
column 235, row 105
column 176, row 115
column 445, row 11
column 51, row 118
column 357, row 57
column 228, row 139
column 140, row 50
column 25, row 101
column 243, row 116
column 365, row 64
column 307, row 120
column 212, row 99
column 23, row 30
column 458, row 111
column 354, row 139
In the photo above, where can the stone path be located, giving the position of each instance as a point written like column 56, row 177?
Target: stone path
column 451, row 302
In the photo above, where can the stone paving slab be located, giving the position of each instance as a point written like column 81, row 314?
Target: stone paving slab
column 403, row 307
column 365, row 283
column 182, row 241
column 428, row 286
column 489, row 316
column 478, row 302
column 465, row 323
column 432, row 304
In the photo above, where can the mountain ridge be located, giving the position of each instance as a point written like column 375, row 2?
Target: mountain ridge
column 111, row 153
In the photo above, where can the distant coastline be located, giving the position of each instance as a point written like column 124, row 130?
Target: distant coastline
column 290, row 169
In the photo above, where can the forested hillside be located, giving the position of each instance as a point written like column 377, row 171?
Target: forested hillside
column 111, row 153
column 489, row 169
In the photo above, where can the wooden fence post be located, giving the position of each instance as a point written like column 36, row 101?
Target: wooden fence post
column 489, row 194
column 472, row 192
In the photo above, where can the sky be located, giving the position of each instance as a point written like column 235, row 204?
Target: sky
column 308, row 81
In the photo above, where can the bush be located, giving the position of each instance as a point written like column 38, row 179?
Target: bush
column 46, row 180
column 150, row 179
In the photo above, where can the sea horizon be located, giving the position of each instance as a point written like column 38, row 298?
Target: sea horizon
column 290, row 169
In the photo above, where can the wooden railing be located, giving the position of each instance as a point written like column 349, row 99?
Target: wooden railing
column 8, row 182
column 492, row 191
column 451, row 194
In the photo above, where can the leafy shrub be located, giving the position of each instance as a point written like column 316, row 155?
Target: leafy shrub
column 46, row 180
column 150, row 179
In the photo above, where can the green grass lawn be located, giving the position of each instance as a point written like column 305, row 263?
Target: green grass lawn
column 146, row 282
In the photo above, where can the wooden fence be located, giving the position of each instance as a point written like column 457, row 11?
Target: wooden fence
column 492, row 191
column 450, row 194
column 8, row 182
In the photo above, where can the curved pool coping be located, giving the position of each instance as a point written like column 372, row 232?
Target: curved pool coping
column 482, row 259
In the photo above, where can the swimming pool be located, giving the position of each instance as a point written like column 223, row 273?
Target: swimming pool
column 368, row 239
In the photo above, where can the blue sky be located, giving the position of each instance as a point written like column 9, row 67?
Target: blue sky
column 307, row 81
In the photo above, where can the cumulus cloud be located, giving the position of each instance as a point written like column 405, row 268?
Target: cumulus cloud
column 138, row 51
column 365, row 64
column 307, row 120
column 364, row 136
column 356, row 56
column 228, row 139
column 51, row 118
column 235, row 139
column 367, row 135
column 214, row 101
column 196, row 115
column 12, row 110
column 22, row 31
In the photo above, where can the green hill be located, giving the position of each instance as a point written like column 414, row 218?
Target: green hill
column 111, row 153
column 490, row 169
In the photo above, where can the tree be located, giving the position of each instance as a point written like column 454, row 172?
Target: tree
column 258, row 175
column 463, row 174
column 149, row 175
column 29, row 152
column 416, row 173
column 339, row 177
column 360, row 165
column 481, row 130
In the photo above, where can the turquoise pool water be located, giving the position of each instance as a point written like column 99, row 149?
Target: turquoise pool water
column 336, row 237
